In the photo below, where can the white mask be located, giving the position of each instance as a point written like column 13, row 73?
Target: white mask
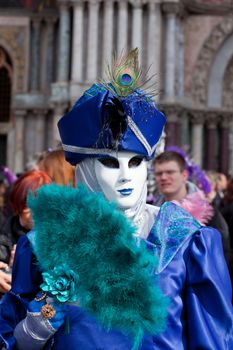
column 121, row 178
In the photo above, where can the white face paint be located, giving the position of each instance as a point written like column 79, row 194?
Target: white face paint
column 122, row 178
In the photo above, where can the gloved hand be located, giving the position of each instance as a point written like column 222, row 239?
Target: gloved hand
column 5, row 278
column 60, row 310
column 33, row 332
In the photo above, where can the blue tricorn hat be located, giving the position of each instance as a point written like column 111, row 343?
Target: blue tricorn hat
column 110, row 117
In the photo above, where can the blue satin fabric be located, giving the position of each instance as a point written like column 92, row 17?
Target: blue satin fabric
column 197, row 282
column 83, row 125
column 193, row 273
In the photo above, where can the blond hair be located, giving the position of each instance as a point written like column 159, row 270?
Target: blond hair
column 55, row 165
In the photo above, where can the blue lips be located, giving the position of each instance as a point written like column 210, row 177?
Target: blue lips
column 126, row 191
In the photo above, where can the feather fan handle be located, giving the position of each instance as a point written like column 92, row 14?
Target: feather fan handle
column 124, row 76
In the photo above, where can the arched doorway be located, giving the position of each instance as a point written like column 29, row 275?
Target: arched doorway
column 220, row 91
column 209, row 90
column 6, row 71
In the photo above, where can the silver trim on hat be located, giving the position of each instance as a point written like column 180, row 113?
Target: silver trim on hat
column 140, row 136
column 84, row 150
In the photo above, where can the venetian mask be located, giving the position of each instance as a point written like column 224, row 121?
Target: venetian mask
column 121, row 178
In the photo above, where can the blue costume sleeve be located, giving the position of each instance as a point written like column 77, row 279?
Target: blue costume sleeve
column 26, row 279
column 194, row 275
column 208, row 302
column 26, row 275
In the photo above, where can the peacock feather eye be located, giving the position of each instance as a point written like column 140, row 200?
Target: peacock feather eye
column 126, row 79
column 125, row 76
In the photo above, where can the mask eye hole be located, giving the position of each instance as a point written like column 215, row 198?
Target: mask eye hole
column 109, row 162
column 135, row 162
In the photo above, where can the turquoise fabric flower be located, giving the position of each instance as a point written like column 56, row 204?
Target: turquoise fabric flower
column 61, row 284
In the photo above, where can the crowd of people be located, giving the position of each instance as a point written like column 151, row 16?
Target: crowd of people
column 212, row 208
column 97, row 263
column 16, row 220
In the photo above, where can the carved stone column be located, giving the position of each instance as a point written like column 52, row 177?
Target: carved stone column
column 137, row 26
column 10, row 148
column 173, row 126
column 171, row 133
column 184, row 130
column 47, row 65
column 197, row 137
column 92, row 44
column 230, row 146
column 180, row 60
column 58, row 103
column 108, row 33
column 171, row 9
column 35, row 55
column 60, row 89
column 211, row 150
column 178, row 132
column 122, row 27
column 19, row 116
column 64, row 42
column 154, row 39
column 77, row 44
column 59, row 110
column 39, row 118
column 224, row 144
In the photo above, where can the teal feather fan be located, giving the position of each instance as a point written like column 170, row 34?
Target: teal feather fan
column 82, row 231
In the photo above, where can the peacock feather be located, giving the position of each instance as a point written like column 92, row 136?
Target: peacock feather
column 125, row 76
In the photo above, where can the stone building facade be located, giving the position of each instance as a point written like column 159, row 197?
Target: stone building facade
column 51, row 50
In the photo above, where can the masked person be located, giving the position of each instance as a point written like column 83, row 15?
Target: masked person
column 111, row 132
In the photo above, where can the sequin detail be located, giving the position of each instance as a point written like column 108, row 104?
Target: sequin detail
column 173, row 226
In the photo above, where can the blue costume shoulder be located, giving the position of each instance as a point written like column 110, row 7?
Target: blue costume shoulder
column 172, row 228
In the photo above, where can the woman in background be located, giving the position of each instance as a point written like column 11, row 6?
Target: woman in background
column 56, row 166
column 20, row 222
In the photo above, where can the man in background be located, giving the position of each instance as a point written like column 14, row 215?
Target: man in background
column 172, row 177
column 172, row 182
